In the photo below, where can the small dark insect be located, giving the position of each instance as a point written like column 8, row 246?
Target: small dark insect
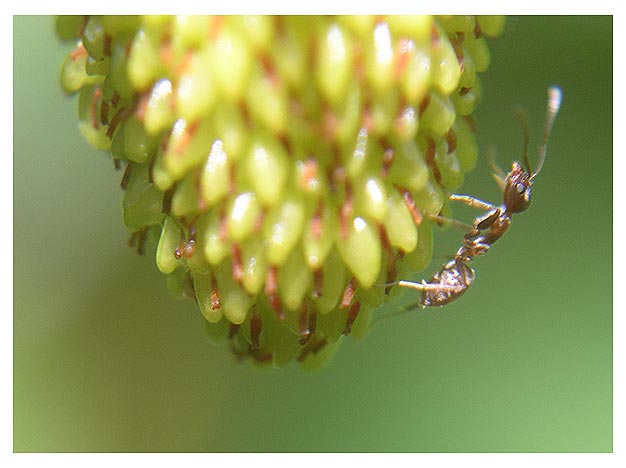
column 455, row 277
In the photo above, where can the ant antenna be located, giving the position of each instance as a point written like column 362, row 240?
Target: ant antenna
column 522, row 117
column 491, row 160
column 498, row 174
column 554, row 103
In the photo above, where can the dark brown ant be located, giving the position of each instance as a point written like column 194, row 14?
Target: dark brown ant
column 456, row 276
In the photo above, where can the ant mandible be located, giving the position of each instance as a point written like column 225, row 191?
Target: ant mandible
column 455, row 277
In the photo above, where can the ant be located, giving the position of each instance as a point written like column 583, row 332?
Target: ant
column 455, row 277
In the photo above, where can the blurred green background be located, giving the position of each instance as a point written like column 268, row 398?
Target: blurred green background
column 106, row 360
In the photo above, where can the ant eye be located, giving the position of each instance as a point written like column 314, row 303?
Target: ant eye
column 520, row 187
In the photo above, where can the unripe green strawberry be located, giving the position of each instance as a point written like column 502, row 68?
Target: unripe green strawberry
column 287, row 165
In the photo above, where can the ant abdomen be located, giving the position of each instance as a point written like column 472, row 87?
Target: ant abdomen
column 451, row 281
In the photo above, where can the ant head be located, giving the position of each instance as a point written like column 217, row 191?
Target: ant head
column 517, row 189
column 518, row 182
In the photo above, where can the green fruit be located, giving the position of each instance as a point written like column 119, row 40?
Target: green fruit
column 288, row 165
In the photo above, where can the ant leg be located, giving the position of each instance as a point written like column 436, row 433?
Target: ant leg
column 453, row 222
column 472, row 201
column 423, row 286
column 432, row 287
column 400, row 310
